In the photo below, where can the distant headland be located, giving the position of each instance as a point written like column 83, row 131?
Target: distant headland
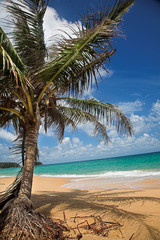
column 14, row 165
column 9, row 165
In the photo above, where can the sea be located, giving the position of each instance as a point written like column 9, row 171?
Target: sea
column 100, row 173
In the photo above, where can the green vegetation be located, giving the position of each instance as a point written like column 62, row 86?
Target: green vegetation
column 9, row 165
column 38, row 163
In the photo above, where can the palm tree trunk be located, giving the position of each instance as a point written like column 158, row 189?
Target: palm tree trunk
column 31, row 146
column 31, row 137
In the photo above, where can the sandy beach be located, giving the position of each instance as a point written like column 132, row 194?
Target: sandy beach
column 135, row 211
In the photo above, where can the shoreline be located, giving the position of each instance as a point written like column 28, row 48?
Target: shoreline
column 138, row 209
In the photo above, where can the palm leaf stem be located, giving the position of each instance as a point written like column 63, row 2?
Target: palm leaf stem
column 93, row 63
column 6, row 44
column 21, row 99
column 16, row 112
column 79, row 116
column 72, row 57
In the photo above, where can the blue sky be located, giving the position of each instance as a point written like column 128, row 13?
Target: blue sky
column 133, row 84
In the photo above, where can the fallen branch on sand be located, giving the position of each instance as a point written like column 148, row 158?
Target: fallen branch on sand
column 93, row 224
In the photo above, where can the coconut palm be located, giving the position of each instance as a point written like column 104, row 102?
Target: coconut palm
column 45, row 86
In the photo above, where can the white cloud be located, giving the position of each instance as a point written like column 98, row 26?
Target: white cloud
column 88, row 93
column 156, row 108
column 3, row 16
column 142, row 123
column 139, row 123
column 5, row 154
column 125, row 146
column 108, row 73
column 154, row 116
column 54, row 25
column 7, row 135
column 68, row 150
column 87, row 128
column 130, row 107
column 75, row 150
column 50, row 131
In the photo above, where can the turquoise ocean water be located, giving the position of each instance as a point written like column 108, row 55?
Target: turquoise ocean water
column 88, row 174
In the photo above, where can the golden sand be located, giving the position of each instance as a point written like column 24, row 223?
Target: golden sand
column 137, row 210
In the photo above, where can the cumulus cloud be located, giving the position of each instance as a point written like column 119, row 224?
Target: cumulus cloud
column 50, row 131
column 69, row 150
column 139, row 123
column 4, row 17
column 6, row 154
column 54, row 25
column 75, row 150
column 154, row 116
column 125, row 146
column 108, row 73
column 7, row 135
column 130, row 107
column 156, row 108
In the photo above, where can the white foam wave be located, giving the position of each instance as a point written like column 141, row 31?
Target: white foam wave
column 109, row 174
column 5, row 176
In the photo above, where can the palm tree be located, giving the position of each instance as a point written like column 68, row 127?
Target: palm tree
column 40, row 85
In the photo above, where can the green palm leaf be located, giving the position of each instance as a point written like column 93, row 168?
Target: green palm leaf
column 105, row 112
column 12, row 110
column 65, row 111
column 28, row 34
column 72, row 67
column 53, row 117
column 78, row 116
column 11, row 66
column 10, row 50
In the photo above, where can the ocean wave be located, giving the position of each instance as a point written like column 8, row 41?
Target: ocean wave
column 109, row 174
column 5, row 176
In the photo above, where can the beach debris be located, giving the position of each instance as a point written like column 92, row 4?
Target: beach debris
column 79, row 236
column 93, row 224
column 131, row 236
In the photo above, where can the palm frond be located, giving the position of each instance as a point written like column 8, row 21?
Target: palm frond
column 77, row 60
column 12, row 110
column 62, row 112
column 8, row 47
column 120, row 7
column 53, row 117
column 28, row 34
column 6, row 118
column 19, row 147
column 11, row 66
column 9, row 117
column 13, row 74
column 78, row 116
column 105, row 112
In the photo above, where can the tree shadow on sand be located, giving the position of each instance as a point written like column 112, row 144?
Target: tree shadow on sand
column 114, row 204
